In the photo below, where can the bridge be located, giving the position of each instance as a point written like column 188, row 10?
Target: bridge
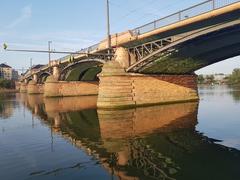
column 151, row 64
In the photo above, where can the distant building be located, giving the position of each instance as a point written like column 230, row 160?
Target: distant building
column 7, row 72
column 220, row 77
column 215, row 78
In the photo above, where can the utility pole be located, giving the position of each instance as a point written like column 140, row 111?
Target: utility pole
column 49, row 51
column 30, row 63
column 108, row 29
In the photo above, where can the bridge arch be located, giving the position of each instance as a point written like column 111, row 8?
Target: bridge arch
column 29, row 79
column 82, row 71
column 42, row 77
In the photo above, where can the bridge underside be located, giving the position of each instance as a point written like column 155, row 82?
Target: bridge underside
column 196, row 53
column 42, row 78
column 218, row 39
column 81, row 72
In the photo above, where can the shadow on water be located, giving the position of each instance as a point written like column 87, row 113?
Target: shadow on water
column 158, row 142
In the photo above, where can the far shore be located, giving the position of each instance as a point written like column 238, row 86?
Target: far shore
column 3, row 90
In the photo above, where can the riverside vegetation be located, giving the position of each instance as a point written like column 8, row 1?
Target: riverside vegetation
column 232, row 79
column 7, row 86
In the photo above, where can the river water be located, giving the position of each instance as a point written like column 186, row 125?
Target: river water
column 68, row 138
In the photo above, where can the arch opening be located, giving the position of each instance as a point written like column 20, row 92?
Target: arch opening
column 84, row 71
column 28, row 80
column 43, row 77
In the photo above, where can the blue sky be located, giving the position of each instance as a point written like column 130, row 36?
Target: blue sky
column 75, row 24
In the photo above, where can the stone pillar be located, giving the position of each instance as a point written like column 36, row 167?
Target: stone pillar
column 35, row 77
column 23, row 87
column 56, row 72
column 115, row 88
column 34, row 88
column 122, row 56
column 51, row 88
column 118, row 89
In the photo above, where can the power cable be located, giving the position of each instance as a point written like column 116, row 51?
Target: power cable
column 145, row 15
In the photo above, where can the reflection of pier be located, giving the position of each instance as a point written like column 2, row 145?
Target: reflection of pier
column 132, row 122
column 157, row 142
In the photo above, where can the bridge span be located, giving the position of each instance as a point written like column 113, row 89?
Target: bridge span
column 151, row 64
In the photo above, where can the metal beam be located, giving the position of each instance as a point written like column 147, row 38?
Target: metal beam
column 144, row 61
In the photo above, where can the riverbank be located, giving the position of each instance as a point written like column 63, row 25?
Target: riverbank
column 4, row 90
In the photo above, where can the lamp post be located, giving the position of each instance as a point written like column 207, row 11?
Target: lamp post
column 49, row 51
column 108, row 28
column 30, row 63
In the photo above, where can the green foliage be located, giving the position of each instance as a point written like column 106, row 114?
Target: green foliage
column 200, row 79
column 8, row 84
column 5, row 46
column 234, row 78
column 210, row 78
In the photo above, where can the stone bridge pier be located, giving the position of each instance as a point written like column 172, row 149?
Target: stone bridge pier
column 33, row 87
column 120, row 89
column 23, row 86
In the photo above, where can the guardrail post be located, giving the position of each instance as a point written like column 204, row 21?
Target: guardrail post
column 179, row 16
column 213, row 3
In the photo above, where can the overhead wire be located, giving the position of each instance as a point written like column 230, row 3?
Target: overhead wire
column 133, row 10
column 145, row 14
column 140, row 18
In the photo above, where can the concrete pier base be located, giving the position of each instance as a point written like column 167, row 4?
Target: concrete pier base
column 23, row 87
column 34, row 88
column 55, row 88
column 118, row 89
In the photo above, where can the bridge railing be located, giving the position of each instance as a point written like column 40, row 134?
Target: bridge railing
column 85, row 50
column 196, row 10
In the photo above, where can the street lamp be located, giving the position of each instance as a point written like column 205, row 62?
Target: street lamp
column 49, row 51
column 108, row 28
column 31, row 63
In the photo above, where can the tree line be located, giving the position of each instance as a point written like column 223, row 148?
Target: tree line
column 7, row 84
column 232, row 79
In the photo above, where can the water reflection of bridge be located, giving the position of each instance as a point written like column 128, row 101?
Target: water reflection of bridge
column 154, row 142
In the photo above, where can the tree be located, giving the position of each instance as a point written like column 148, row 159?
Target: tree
column 234, row 78
column 200, row 79
column 6, row 84
column 210, row 79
